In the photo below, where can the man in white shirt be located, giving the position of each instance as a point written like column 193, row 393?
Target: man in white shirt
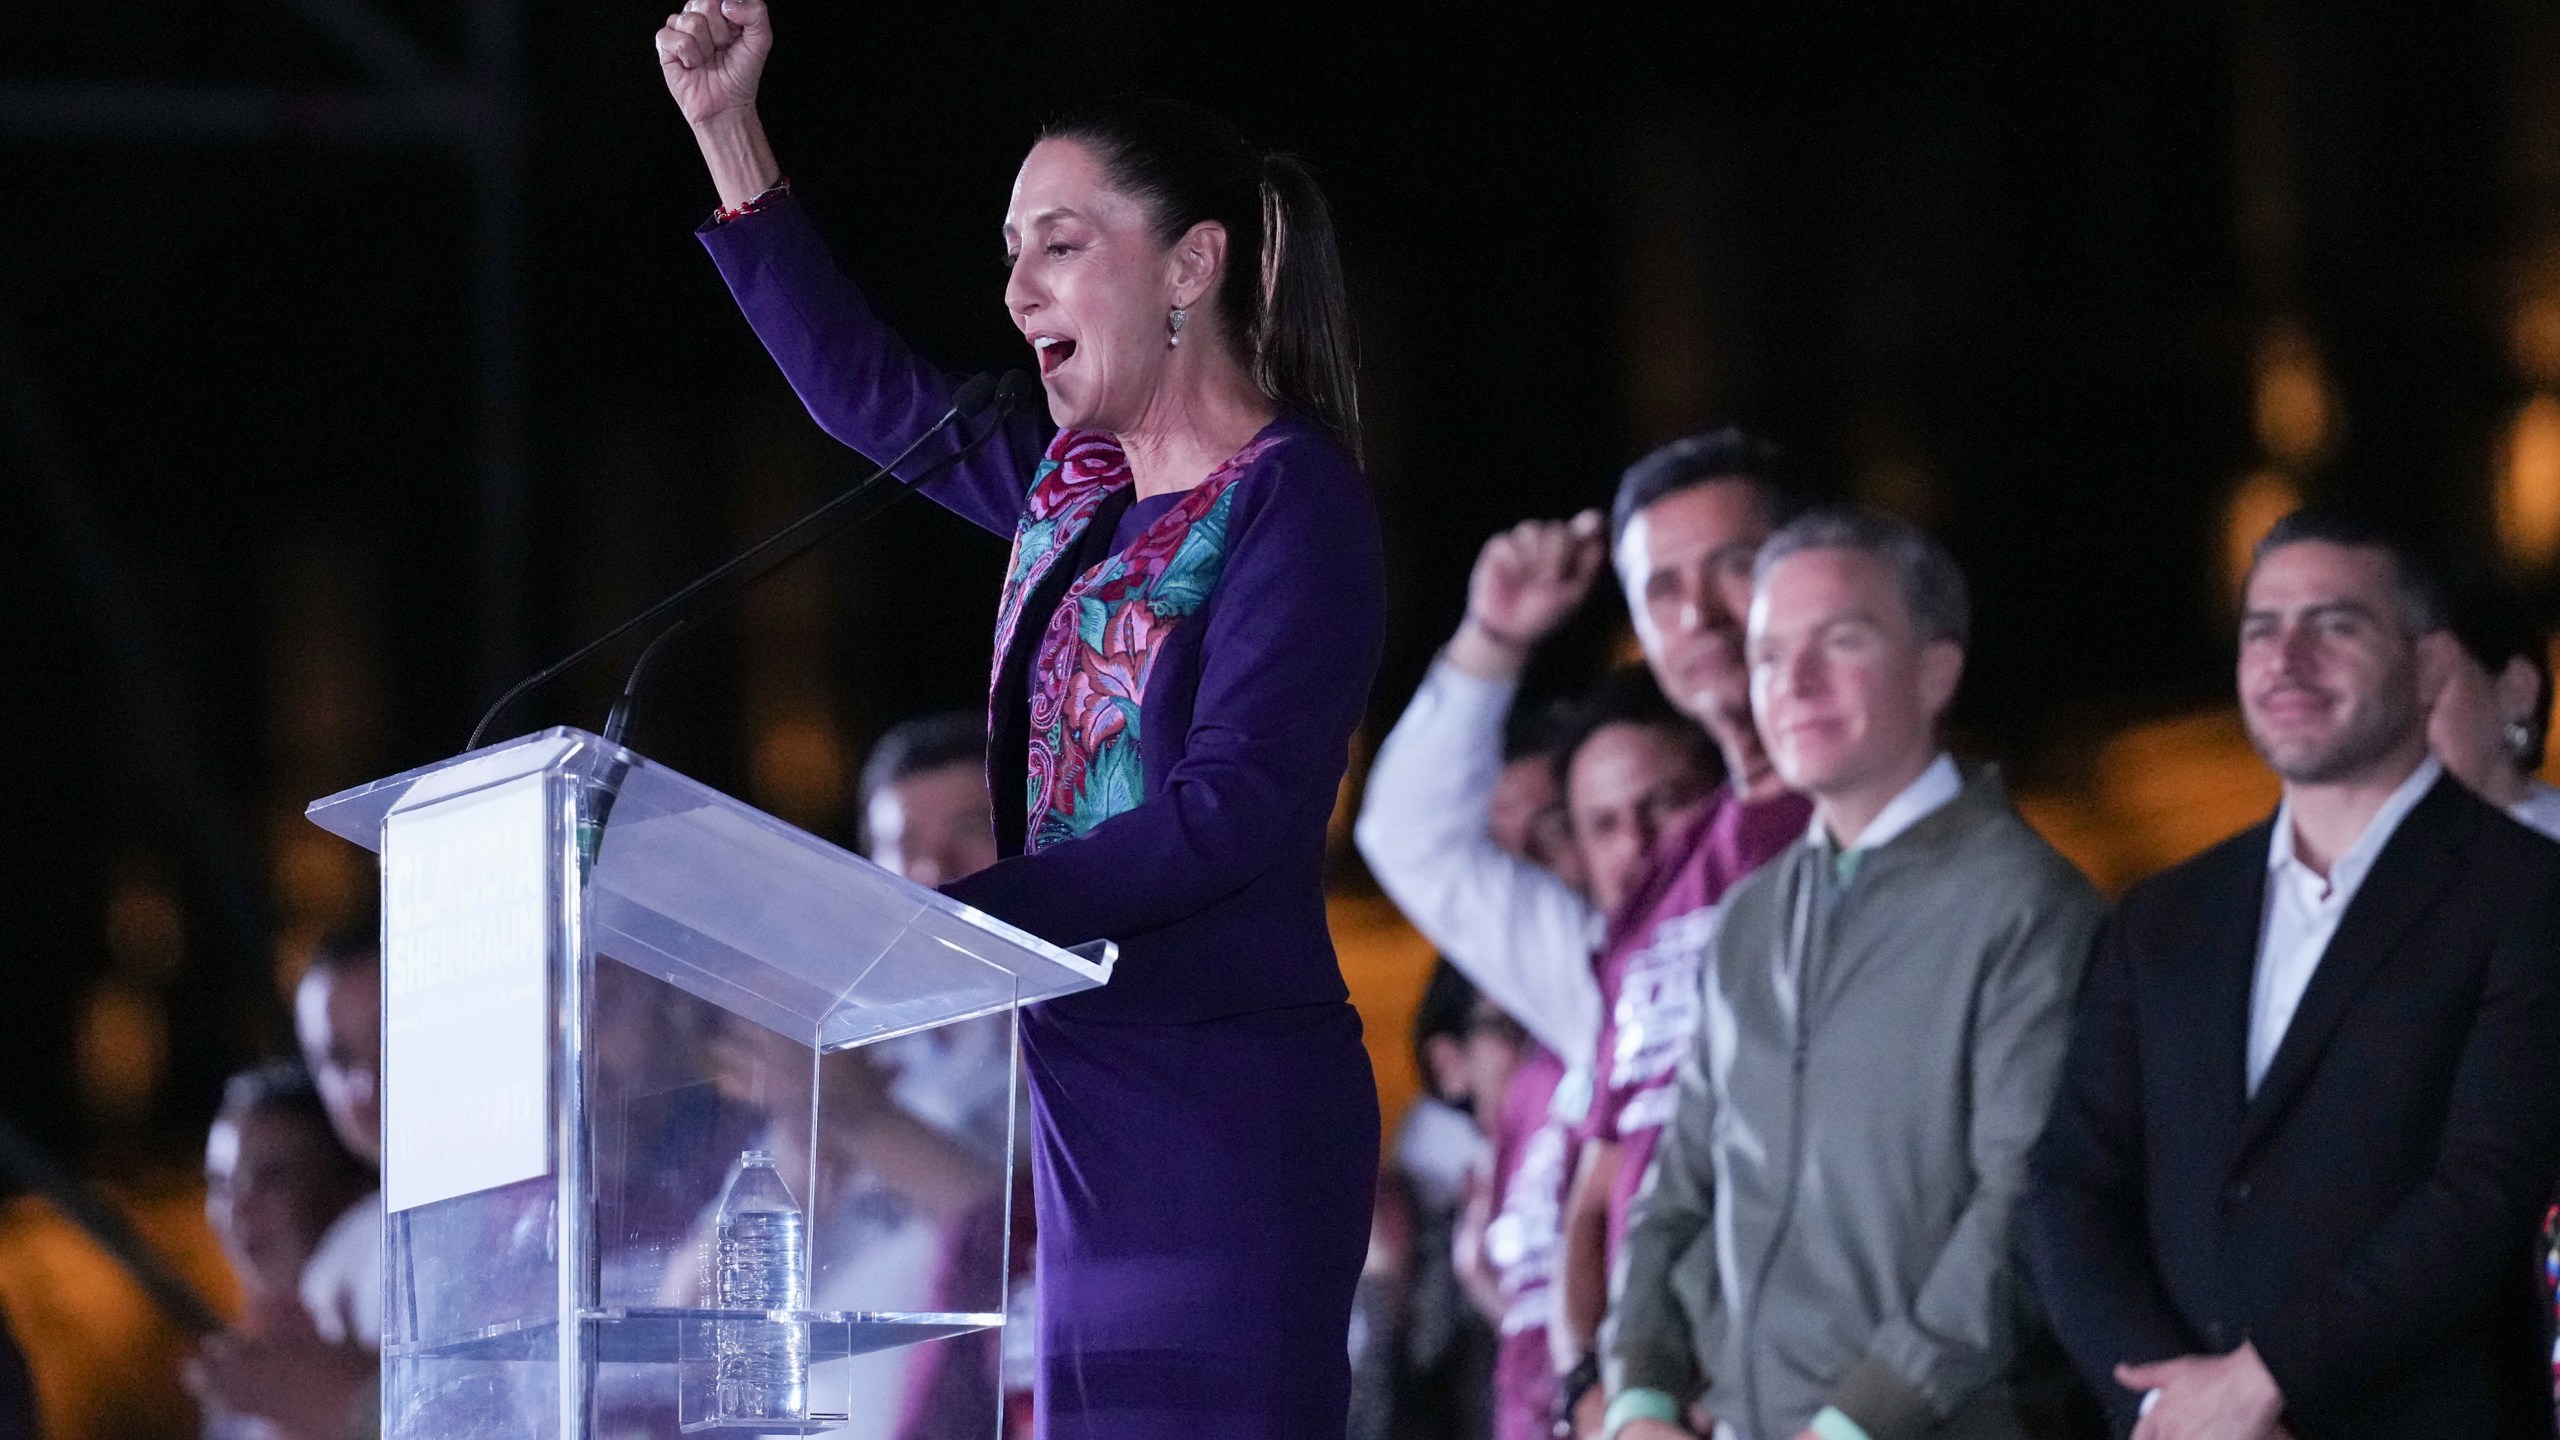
column 1690, row 518
column 2311, row 1114
column 2305, row 902
column 1611, row 991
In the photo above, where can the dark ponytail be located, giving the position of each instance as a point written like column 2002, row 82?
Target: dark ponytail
column 1282, row 296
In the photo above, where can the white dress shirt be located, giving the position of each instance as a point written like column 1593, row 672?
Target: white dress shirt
column 2303, row 909
column 1522, row 935
column 2539, row 809
column 1919, row 800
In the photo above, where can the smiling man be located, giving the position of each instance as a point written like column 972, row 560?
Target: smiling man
column 1823, row 1246
column 2312, row 1112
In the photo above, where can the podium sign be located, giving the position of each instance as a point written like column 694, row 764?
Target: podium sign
column 605, row 986
column 466, row 983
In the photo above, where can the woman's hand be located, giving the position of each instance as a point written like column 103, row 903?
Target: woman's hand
column 712, row 53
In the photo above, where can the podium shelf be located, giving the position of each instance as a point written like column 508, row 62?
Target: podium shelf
column 658, row 1336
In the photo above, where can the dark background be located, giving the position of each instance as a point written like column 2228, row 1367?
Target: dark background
column 2052, row 278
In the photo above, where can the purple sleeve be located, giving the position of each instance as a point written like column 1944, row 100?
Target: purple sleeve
column 1292, row 642
column 860, row 381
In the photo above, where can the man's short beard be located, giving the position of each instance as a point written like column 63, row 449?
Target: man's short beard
column 2384, row 729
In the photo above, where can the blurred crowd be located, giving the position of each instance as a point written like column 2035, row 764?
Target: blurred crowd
column 290, row 1189
column 1782, row 1081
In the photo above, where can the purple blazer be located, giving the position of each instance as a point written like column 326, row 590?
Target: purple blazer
column 1213, row 885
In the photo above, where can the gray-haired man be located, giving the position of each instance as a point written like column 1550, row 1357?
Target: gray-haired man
column 1823, row 1248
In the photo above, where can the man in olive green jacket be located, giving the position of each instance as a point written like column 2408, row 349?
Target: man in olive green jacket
column 1824, row 1246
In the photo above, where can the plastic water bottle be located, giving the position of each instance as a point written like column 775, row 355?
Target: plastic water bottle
column 761, row 1367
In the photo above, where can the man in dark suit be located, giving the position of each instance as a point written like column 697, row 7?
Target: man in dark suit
column 2311, row 1112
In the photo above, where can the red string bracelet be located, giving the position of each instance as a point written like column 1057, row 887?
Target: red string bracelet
column 771, row 193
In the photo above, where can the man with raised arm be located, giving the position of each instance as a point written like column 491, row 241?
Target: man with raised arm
column 1609, row 983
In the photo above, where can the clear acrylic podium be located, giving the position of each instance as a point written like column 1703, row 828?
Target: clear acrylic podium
column 604, row 983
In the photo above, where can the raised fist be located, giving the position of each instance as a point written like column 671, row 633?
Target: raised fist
column 1533, row 575
column 712, row 53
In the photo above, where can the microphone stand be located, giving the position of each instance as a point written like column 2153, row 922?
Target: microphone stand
column 874, row 494
column 839, row 514
column 973, row 397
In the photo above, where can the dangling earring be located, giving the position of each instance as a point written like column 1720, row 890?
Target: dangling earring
column 2519, row 738
column 1173, row 324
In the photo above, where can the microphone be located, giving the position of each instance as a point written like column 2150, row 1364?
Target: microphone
column 785, row 544
column 973, row 395
column 1016, row 388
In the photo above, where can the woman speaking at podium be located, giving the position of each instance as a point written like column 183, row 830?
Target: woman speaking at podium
column 1184, row 645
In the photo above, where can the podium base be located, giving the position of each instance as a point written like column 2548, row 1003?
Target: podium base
column 814, row 1425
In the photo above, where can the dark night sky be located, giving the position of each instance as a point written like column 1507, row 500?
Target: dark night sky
column 2000, row 243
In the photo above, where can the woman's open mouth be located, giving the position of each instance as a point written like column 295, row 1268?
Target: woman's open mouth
column 1053, row 351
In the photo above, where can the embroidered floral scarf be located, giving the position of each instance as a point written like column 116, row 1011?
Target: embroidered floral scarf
column 1088, row 679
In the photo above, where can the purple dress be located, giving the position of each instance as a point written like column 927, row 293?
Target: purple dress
column 1178, row 684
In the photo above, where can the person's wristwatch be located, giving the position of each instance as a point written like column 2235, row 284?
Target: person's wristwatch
column 1578, row 1382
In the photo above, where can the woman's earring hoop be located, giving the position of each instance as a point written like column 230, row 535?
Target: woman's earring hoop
column 2519, row 738
column 1173, row 326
